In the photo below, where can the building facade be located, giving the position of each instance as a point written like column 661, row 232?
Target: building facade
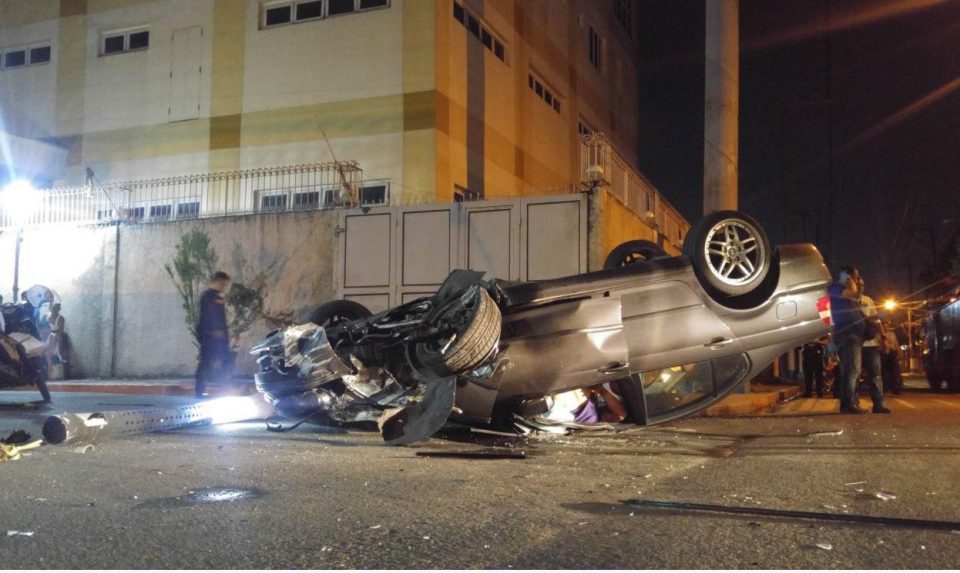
column 437, row 99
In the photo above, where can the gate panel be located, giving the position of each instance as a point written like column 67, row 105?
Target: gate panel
column 427, row 249
column 554, row 237
column 489, row 238
column 365, row 269
column 391, row 255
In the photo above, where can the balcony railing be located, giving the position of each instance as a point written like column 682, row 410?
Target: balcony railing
column 295, row 187
column 602, row 165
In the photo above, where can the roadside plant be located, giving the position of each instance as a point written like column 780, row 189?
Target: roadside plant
column 191, row 270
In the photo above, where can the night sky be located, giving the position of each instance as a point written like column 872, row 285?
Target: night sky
column 891, row 69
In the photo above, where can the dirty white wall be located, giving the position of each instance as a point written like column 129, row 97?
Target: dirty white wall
column 123, row 313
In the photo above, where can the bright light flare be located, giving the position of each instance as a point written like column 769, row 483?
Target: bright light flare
column 890, row 304
column 20, row 200
column 232, row 409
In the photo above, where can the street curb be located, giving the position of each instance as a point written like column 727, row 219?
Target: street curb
column 753, row 403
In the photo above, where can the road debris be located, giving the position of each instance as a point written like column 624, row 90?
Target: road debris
column 9, row 452
column 88, row 427
column 854, row 483
column 481, row 454
column 884, row 496
column 13, row 532
column 824, row 546
column 17, row 437
column 825, row 434
column 931, row 524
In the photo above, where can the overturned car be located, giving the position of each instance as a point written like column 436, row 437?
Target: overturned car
column 671, row 334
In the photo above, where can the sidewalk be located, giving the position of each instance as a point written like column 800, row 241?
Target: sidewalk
column 761, row 398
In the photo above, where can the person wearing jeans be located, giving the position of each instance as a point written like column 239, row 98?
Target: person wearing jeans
column 871, row 352
column 848, row 331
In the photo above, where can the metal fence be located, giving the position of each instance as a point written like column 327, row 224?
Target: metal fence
column 602, row 165
column 294, row 187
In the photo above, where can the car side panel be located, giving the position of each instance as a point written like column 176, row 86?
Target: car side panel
column 563, row 346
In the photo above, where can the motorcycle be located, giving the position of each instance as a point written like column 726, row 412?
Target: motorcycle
column 23, row 353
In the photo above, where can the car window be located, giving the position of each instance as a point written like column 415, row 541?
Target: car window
column 679, row 389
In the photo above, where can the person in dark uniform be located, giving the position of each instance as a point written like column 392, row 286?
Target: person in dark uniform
column 813, row 354
column 212, row 333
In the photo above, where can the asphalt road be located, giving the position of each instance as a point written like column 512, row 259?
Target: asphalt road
column 239, row 497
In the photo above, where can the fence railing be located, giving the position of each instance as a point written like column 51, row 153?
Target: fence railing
column 294, row 187
column 602, row 165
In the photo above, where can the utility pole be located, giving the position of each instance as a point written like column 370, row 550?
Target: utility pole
column 721, row 152
column 828, row 239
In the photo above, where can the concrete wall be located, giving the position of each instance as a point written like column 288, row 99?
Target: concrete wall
column 612, row 223
column 297, row 248
column 125, row 317
column 123, row 313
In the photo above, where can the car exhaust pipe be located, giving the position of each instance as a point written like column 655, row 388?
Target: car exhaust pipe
column 86, row 427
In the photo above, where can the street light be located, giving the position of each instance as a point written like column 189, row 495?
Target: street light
column 20, row 200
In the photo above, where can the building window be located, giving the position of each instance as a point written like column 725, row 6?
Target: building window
column 584, row 129
column 189, row 210
column 273, row 203
column 293, row 12
column 340, row 7
column 120, row 42
column 306, row 200
column 543, row 92
column 276, row 15
column 377, row 193
column 136, row 214
column 621, row 8
column 462, row 194
column 39, row 55
column 309, row 10
column 480, row 31
column 15, row 59
column 596, row 49
column 20, row 57
column 160, row 211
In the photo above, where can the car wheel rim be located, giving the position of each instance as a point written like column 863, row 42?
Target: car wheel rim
column 734, row 252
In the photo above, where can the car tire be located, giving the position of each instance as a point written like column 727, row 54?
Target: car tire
column 730, row 253
column 633, row 252
column 474, row 342
column 337, row 311
column 935, row 380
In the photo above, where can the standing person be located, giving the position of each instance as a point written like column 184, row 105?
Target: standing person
column 212, row 333
column 871, row 351
column 848, row 331
column 813, row 355
column 890, row 359
column 55, row 334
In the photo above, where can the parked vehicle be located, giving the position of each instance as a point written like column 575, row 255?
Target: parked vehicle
column 941, row 358
column 674, row 334
column 23, row 357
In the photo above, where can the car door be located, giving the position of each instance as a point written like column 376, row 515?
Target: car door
column 667, row 323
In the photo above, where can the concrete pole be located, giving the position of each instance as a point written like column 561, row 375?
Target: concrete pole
column 721, row 106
